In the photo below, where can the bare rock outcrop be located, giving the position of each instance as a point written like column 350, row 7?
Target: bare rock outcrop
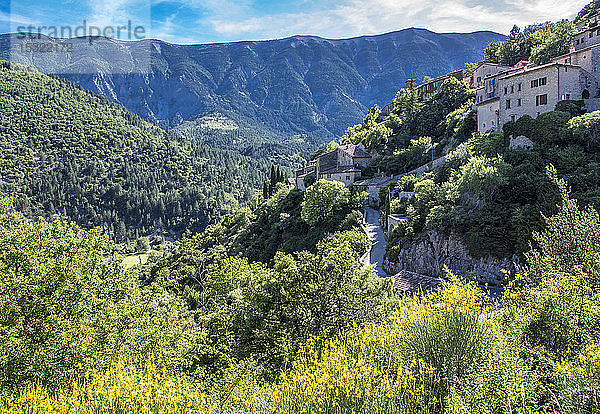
column 429, row 255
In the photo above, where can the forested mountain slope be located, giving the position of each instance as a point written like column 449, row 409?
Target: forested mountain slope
column 298, row 85
column 69, row 151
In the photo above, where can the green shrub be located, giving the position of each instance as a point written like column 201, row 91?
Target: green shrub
column 67, row 305
column 556, row 310
column 323, row 200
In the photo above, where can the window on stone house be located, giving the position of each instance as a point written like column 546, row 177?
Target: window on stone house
column 508, row 104
column 512, row 88
column 591, row 34
column 519, row 86
column 535, row 83
column 577, row 41
column 543, row 81
column 512, row 118
column 505, row 90
column 347, row 178
column 541, row 100
column 519, row 102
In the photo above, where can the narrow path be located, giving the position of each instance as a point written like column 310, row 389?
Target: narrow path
column 375, row 234
column 375, row 255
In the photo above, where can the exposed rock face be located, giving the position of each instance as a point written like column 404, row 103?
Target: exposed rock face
column 520, row 142
column 431, row 253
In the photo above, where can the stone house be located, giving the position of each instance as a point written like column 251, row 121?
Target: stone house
column 341, row 164
column 526, row 90
column 508, row 93
column 428, row 89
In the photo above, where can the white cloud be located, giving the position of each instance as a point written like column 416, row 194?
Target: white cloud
column 358, row 17
column 17, row 19
column 169, row 31
column 105, row 13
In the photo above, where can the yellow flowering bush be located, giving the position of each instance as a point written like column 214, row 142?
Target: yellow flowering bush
column 578, row 382
column 129, row 389
column 406, row 364
column 120, row 389
column 346, row 375
column 376, row 368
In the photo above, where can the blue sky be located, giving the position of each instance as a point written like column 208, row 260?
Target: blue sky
column 204, row 21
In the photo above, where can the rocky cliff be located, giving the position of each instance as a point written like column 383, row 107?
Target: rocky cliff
column 432, row 252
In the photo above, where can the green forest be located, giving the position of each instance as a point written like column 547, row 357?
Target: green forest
column 67, row 151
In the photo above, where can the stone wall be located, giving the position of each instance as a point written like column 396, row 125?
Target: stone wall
column 487, row 116
column 417, row 172
column 520, row 142
column 429, row 254
column 518, row 86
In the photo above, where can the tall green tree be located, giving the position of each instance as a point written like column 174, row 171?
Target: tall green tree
column 323, row 200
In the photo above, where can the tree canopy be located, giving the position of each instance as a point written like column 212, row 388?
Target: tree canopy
column 70, row 152
column 537, row 43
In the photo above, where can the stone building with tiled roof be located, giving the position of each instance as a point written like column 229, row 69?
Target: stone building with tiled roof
column 508, row 93
column 341, row 164
column 411, row 282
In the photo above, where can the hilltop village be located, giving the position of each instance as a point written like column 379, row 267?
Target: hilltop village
column 503, row 94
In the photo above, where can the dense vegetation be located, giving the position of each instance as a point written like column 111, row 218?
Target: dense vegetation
column 536, row 43
column 443, row 352
column 68, row 305
column 289, row 221
column 490, row 195
column 67, row 151
column 416, row 127
column 588, row 11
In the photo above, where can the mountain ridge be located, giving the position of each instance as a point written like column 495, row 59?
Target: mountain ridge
column 301, row 84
